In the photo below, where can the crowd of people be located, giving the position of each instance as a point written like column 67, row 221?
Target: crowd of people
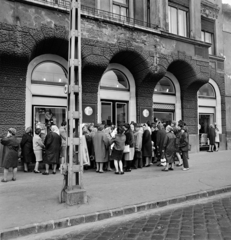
column 49, row 148
column 125, row 147
column 132, row 146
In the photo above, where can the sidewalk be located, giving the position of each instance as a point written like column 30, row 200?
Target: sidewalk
column 33, row 198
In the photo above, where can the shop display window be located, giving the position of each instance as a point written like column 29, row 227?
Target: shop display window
column 45, row 116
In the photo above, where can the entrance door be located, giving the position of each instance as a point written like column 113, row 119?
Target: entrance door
column 204, row 121
column 114, row 112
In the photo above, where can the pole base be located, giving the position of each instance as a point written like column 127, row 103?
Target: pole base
column 75, row 196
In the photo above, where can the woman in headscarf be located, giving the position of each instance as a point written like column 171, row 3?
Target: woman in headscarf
column 147, row 145
column 169, row 148
column 184, row 146
column 10, row 153
column 52, row 144
column 27, row 148
column 101, row 145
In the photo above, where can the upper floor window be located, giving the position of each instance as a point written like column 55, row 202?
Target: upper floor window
column 207, row 33
column 178, row 19
column 114, row 79
column 120, row 7
column 207, row 91
column 49, row 72
column 165, row 86
column 148, row 12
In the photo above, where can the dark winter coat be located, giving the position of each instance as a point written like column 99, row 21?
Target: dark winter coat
column 146, row 144
column 10, row 152
column 52, row 144
column 27, row 148
column 129, row 138
column 160, row 137
column 169, row 147
column 184, row 144
column 212, row 135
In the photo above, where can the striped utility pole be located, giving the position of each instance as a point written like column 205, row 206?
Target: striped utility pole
column 73, row 192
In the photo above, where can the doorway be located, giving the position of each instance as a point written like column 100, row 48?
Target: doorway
column 205, row 119
column 114, row 112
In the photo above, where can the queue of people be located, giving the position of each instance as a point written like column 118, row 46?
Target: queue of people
column 125, row 147
column 132, row 146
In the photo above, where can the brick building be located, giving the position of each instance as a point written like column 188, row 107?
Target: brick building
column 140, row 58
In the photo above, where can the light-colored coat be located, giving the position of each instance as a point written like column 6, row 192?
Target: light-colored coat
column 101, row 145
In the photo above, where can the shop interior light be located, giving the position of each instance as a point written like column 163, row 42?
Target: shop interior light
column 44, row 79
column 60, row 80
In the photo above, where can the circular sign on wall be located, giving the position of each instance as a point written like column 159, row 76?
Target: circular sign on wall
column 66, row 89
column 88, row 111
column 145, row 113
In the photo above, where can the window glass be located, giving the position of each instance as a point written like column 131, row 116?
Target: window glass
column 182, row 23
column 164, row 86
column 123, row 11
column 49, row 72
column 208, row 37
column 172, row 20
column 116, row 9
column 114, row 79
column 207, row 91
column 45, row 116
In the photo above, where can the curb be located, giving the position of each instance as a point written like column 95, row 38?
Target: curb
column 98, row 216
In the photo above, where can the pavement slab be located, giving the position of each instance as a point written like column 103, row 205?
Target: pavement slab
column 33, row 198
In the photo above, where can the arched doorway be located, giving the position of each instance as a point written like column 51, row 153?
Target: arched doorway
column 209, row 110
column 167, row 99
column 45, row 98
column 116, row 96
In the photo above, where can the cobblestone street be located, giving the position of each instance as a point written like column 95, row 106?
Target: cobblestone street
column 211, row 220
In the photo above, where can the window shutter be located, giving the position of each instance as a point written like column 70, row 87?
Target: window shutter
column 207, row 25
column 184, row 3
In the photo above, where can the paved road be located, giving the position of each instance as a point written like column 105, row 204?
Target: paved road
column 211, row 220
column 207, row 219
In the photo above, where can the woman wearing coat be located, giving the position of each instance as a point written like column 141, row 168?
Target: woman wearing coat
column 211, row 136
column 129, row 156
column 160, row 137
column 101, row 145
column 169, row 148
column 10, row 154
column 147, row 146
column 27, row 148
column 52, row 149
column 184, row 147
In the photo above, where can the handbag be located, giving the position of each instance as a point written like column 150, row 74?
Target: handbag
column 126, row 149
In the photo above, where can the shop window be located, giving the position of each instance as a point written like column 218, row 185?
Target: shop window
column 178, row 20
column 45, row 117
column 114, row 79
column 49, row 73
column 207, row 91
column 120, row 7
column 164, row 86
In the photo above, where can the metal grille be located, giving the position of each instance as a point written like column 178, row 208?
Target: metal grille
column 164, row 106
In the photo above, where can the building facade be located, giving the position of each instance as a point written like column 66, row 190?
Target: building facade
column 141, row 59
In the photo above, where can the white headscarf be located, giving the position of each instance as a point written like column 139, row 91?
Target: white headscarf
column 55, row 129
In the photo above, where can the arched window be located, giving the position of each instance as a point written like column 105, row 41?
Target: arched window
column 49, row 72
column 207, row 90
column 114, row 79
column 165, row 86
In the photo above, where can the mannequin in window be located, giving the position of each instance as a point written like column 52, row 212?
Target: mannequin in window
column 48, row 115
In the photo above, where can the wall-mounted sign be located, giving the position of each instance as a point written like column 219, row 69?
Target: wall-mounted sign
column 145, row 113
column 65, row 89
column 88, row 111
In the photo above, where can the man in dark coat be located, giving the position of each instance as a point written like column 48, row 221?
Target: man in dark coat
column 147, row 146
column 211, row 136
column 160, row 137
column 53, row 144
column 27, row 148
column 10, row 153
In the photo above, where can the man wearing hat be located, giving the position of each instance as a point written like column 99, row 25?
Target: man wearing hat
column 10, row 153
